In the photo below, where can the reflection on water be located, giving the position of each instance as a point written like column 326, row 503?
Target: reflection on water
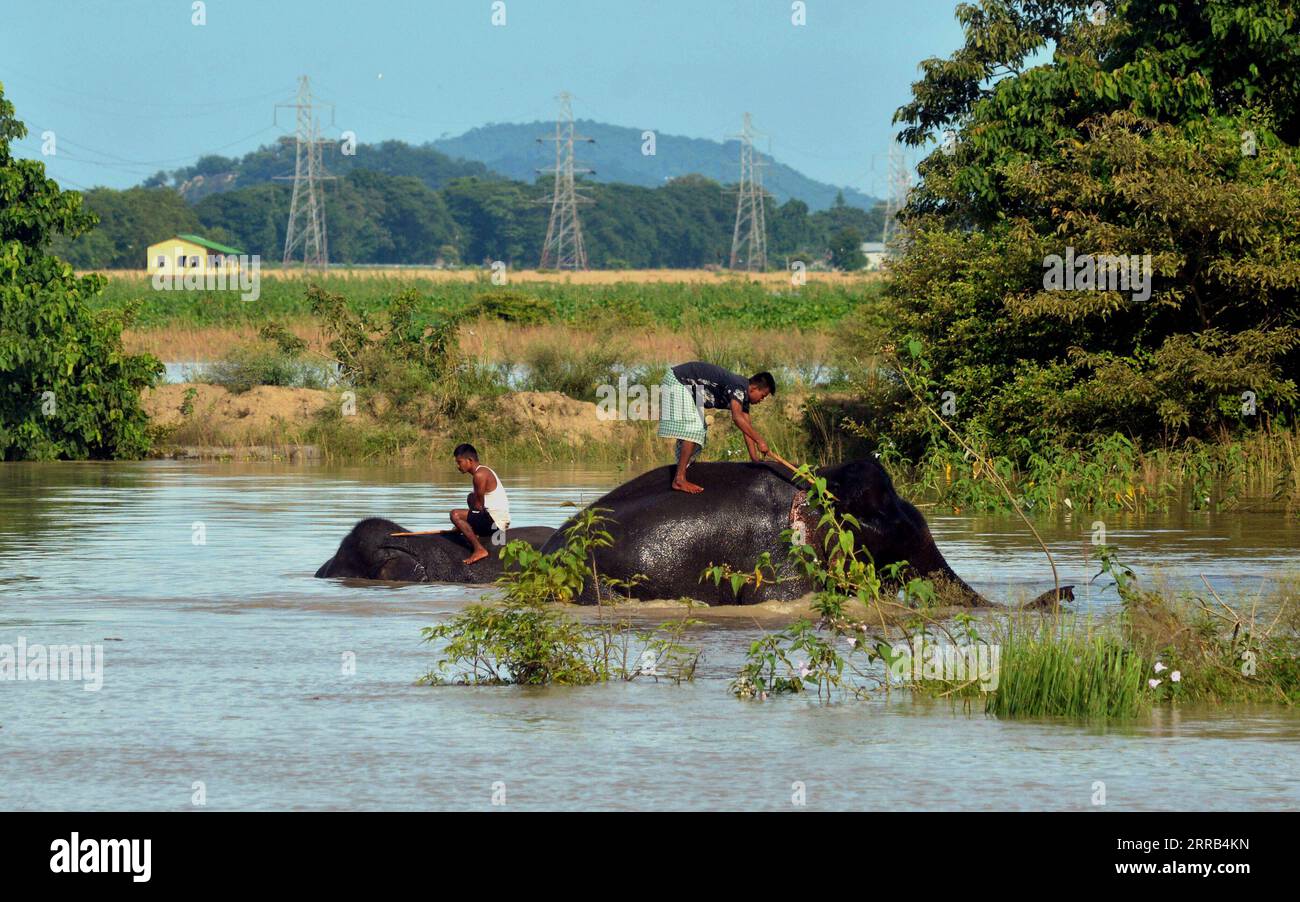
column 226, row 668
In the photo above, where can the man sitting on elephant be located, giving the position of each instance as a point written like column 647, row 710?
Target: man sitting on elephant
column 690, row 388
column 489, row 509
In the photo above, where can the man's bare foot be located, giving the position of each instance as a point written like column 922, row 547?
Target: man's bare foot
column 476, row 556
column 685, row 485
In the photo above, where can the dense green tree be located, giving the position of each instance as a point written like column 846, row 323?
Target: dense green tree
column 789, row 232
column 1158, row 129
column 497, row 221
column 253, row 219
column 129, row 221
column 67, row 389
column 846, row 249
column 375, row 217
column 432, row 167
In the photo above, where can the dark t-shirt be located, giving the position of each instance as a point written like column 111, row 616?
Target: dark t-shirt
column 713, row 386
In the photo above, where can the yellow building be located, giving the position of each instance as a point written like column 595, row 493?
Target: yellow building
column 191, row 253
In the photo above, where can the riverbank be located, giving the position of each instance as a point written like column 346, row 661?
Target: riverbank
column 278, row 422
column 303, row 424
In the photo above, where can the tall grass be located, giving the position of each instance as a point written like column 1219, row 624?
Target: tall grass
column 1055, row 668
column 1114, row 475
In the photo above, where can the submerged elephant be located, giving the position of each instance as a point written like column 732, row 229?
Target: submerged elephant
column 371, row 551
column 671, row 537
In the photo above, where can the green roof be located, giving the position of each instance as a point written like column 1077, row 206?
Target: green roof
column 210, row 245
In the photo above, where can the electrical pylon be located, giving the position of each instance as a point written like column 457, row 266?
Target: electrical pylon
column 749, row 239
column 900, row 185
column 563, row 248
column 306, row 229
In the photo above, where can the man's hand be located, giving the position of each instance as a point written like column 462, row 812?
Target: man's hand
column 762, row 447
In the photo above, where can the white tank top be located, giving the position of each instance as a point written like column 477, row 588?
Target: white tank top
column 495, row 501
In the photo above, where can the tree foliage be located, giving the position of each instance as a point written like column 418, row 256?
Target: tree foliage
column 1166, row 130
column 375, row 216
column 67, row 389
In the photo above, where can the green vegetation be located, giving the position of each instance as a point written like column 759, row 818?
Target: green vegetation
column 1168, row 130
column 275, row 359
column 960, row 468
column 395, row 204
column 67, row 389
column 731, row 301
column 1203, row 650
column 527, row 640
column 1158, row 651
column 1059, row 669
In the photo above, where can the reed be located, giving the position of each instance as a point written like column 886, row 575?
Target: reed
column 1059, row 667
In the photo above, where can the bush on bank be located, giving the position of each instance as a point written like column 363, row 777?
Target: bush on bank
column 1167, row 130
column 67, row 389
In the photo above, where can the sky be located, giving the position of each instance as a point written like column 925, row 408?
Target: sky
column 129, row 87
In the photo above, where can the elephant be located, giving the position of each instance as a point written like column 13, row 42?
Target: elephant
column 371, row 551
column 671, row 537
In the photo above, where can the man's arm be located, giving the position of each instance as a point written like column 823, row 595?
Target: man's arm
column 752, row 439
column 480, row 489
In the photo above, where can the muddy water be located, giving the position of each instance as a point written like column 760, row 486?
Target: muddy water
column 222, row 669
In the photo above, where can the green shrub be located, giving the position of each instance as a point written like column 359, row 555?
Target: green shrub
column 516, row 307
column 261, row 363
column 1050, row 669
column 67, row 388
column 528, row 640
column 570, row 371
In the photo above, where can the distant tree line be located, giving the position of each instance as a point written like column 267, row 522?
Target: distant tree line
column 395, row 204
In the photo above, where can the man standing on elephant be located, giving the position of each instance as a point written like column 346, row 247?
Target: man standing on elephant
column 688, row 390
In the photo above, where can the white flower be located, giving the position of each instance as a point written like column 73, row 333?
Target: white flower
column 853, row 642
column 1160, row 667
column 1154, row 683
column 1176, row 676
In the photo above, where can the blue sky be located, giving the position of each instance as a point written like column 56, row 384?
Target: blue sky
column 131, row 86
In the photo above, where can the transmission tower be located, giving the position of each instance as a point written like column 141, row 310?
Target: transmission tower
column 749, row 239
column 900, row 185
column 563, row 248
column 306, row 230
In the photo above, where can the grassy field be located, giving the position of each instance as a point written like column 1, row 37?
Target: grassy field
column 497, row 343
column 573, row 332
column 534, row 276
column 595, row 300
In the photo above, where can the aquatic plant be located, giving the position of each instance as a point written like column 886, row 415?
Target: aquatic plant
column 806, row 655
column 529, row 639
column 1055, row 668
column 1221, row 654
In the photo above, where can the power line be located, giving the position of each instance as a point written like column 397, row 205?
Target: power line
column 563, row 248
column 195, row 109
column 128, row 165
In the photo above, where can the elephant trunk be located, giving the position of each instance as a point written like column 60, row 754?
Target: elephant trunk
column 953, row 589
column 949, row 587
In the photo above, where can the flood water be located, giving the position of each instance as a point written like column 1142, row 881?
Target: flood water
column 223, row 668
